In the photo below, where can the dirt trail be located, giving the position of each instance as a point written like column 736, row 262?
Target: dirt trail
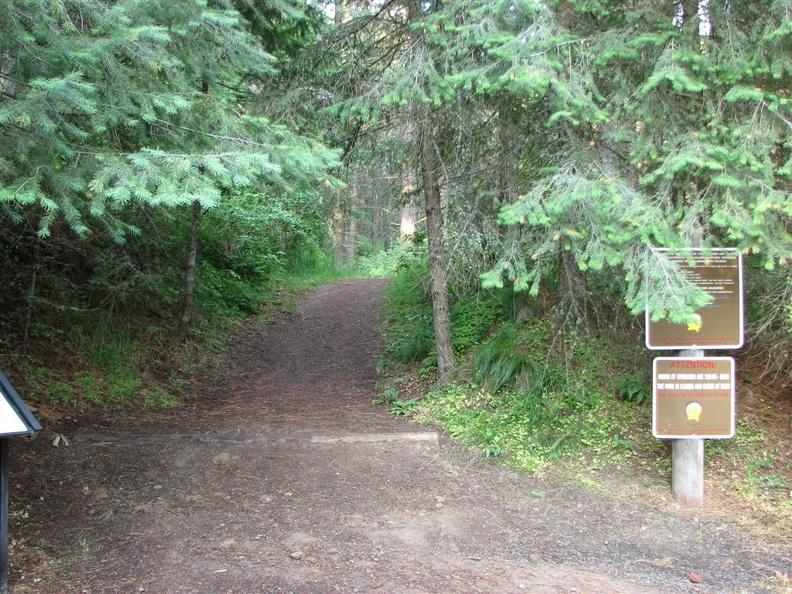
column 286, row 479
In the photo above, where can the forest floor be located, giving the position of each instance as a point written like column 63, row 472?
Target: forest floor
column 283, row 477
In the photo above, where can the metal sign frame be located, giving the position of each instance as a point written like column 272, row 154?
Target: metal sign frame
column 15, row 420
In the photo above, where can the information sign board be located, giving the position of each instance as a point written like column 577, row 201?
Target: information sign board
column 719, row 324
column 15, row 417
column 10, row 422
column 693, row 397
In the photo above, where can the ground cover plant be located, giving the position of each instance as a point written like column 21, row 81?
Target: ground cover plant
column 409, row 336
column 575, row 404
column 125, row 360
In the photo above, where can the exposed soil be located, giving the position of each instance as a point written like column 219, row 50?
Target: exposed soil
column 284, row 477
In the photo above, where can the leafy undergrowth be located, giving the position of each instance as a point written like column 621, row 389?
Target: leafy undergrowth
column 409, row 322
column 568, row 408
column 115, row 367
column 751, row 474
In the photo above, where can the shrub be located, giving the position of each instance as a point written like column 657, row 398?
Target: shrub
column 633, row 387
column 410, row 331
column 383, row 264
column 472, row 318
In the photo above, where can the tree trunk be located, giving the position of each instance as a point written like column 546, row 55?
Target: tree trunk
column 351, row 246
column 338, row 236
column 352, row 231
column 437, row 261
column 190, row 273
column 409, row 220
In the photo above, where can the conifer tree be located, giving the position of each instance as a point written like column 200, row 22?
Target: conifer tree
column 690, row 148
column 105, row 105
column 107, row 108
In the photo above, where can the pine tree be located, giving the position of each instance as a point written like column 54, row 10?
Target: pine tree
column 105, row 105
column 681, row 142
column 111, row 108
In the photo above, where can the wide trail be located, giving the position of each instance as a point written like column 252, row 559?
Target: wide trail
column 287, row 479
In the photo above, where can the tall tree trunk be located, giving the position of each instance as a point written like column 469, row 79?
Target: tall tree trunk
column 352, row 232
column 409, row 213
column 338, row 235
column 437, row 261
column 190, row 273
column 352, row 241
column 409, row 220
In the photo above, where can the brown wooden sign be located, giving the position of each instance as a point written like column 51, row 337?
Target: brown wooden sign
column 693, row 397
column 719, row 324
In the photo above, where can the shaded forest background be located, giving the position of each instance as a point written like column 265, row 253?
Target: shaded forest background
column 163, row 169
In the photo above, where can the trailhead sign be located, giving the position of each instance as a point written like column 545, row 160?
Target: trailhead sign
column 15, row 417
column 693, row 397
column 719, row 324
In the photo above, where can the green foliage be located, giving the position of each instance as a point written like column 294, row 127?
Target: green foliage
column 59, row 393
column 410, row 330
column 224, row 291
column 472, row 317
column 494, row 367
column 115, row 116
column 404, row 407
column 255, row 234
column 91, row 387
column 389, row 396
column 673, row 165
column 633, row 387
column 92, row 124
column 532, row 402
column 512, row 355
column 106, row 361
column 593, row 131
column 158, row 398
column 383, row 264
column 408, row 311
column 540, row 395
column 318, row 267
column 763, row 466
column 768, row 320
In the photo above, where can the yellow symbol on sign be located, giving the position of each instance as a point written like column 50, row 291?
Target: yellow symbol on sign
column 694, row 325
column 693, row 412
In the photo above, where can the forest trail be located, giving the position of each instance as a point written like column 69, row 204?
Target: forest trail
column 287, row 479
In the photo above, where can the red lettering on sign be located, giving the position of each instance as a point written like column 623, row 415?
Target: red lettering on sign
column 692, row 364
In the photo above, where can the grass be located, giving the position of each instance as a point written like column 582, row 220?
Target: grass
column 310, row 278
